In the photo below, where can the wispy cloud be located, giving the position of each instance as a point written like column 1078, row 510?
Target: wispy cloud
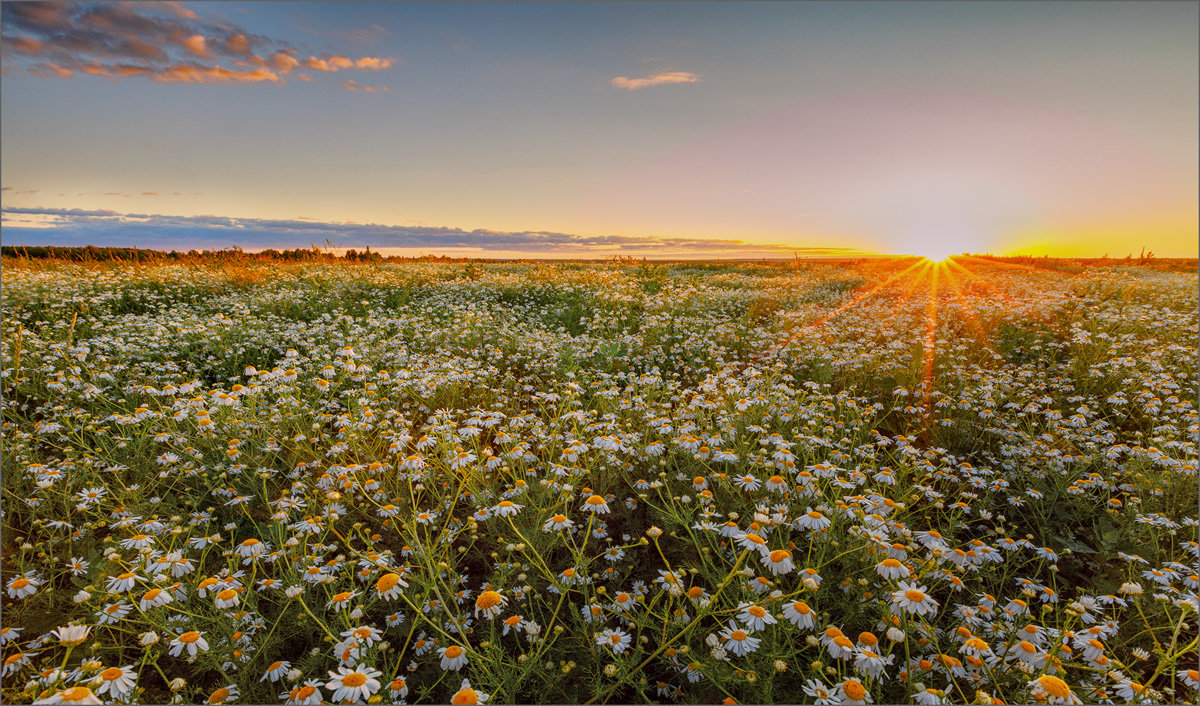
column 162, row 41
column 659, row 79
column 59, row 226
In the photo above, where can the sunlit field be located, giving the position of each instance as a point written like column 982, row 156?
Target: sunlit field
column 889, row 481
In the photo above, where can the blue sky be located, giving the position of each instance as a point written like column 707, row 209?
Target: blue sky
column 638, row 128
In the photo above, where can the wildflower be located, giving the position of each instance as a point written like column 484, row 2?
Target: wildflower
column 749, row 540
column 191, row 640
column 117, row 682
column 618, row 640
column 490, row 603
column 453, row 657
column 755, row 617
column 227, row 598
column 779, row 562
column 72, row 695
column 353, row 684
column 892, row 569
column 72, row 635
column 341, row 600
column 851, row 691
column 596, row 504
column 388, row 586
column 800, row 615
column 466, row 696
column 276, row 670
column 557, row 523
column 912, row 598
column 22, row 587
column 739, row 641
column 507, row 508
column 1053, row 690
column 223, row 694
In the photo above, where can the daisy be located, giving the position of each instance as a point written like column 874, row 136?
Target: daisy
column 191, row 640
column 892, row 569
column 800, row 615
column 276, row 670
column 353, row 684
column 595, row 504
column 557, row 523
column 749, row 540
column 1054, row 690
column 513, row 622
column 912, row 598
column 453, row 657
column 507, row 508
column 73, row 695
column 813, row 520
column 490, row 603
column 871, row 663
column 117, row 682
column 227, row 598
column 113, row 613
column 851, row 691
column 223, row 694
column 779, row 562
column 618, row 640
column 340, row 601
column 755, row 617
column 739, row 641
column 388, row 586
column 817, row 690
column 466, row 696
column 123, row 582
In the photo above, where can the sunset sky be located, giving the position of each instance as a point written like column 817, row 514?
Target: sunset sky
column 586, row 129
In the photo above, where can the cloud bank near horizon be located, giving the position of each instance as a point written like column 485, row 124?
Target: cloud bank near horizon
column 105, row 227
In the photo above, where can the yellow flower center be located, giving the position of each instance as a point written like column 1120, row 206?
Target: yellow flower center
column 914, row 596
column 342, row 597
column 218, row 696
column 737, row 635
column 868, row 638
column 454, row 651
column 780, row 555
column 151, row 594
column 76, row 693
column 226, row 595
column 189, row 637
column 595, row 500
column 891, row 563
column 387, row 582
column 1054, row 686
column 465, row 697
column 354, row 679
column 20, row 583
column 756, row 611
column 801, row 607
column 112, row 673
column 125, row 576
column 854, row 689
column 488, row 599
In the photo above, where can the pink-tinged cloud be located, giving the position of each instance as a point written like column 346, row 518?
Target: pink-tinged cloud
column 283, row 62
column 25, row 45
column 196, row 44
column 332, row 64
column 659, row 79
column 353, row 85
column 149, row 193
column 164, row 41
column 195, row 73
column 50, row 70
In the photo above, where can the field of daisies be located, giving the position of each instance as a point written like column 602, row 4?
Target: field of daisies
column 892, row 481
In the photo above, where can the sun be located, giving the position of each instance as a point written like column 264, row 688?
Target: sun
column 936, row 252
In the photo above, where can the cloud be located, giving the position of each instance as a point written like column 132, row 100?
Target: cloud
column 353, row 85
column 108, row 228
column 165, row 42
column 659, row 79
column 331, row 64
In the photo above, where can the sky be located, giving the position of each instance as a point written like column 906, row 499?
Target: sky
column 591, row 129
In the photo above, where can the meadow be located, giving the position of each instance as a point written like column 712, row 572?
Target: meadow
column 888, row 481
